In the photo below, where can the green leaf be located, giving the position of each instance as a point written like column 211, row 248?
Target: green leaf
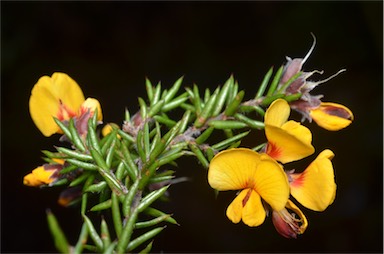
column 143, row 238
column 264, row 83
column 93, row 233
column 275, row 81
column 59, row 238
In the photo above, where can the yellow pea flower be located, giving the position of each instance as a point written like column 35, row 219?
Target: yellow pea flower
column 257, row 176
column 287, row 140
column 332, row 116
column 61, row 97
column 43, row 175
column 315, row 187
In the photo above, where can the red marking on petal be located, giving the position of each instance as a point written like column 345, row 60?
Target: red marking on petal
column 64, row 113
column 298, row 179
column 273, row 150
column 336, row 111
column 246, row 198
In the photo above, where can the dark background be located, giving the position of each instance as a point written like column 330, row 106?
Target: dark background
column 110, row 47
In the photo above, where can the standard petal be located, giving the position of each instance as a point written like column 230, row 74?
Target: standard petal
column 271, row 183
column 332, row 116
column 253, row 210
column 233, row 169
column 277, row 113
column 315, row 188
column 49, row 96
column 289, row 144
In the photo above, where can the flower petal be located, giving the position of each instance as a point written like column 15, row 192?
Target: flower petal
column 290, row 143
column 315, row 188
column 332, row 116
column 247, row 206
column 48, row 96
column 233, row 169
column 91, row 104
column 277, row 113
column 271, row 183
column 253, row 211
column 39, row 176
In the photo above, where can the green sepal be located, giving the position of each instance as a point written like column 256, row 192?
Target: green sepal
column 127, row 115
column 143, row 238
column 259, row 147
column 59, row 238
column 264, row 83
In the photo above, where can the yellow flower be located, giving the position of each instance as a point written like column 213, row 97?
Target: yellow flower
column 44, row 174
column 257, row 176
column 315, row 187
column 332, row 116
column 61, row 97
column 287, row 140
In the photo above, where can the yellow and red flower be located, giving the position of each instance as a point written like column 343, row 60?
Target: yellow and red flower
column 332, row 116
column 287, row 140
column 61, row 97
column 44, row 174
column 257, row 176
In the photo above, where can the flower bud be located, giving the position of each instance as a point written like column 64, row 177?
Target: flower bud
column 332, row 116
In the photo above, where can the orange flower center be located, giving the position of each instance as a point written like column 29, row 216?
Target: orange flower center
column 273, row 150
column 64, row 113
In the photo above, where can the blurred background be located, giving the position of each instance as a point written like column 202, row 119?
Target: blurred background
column 110, row 47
